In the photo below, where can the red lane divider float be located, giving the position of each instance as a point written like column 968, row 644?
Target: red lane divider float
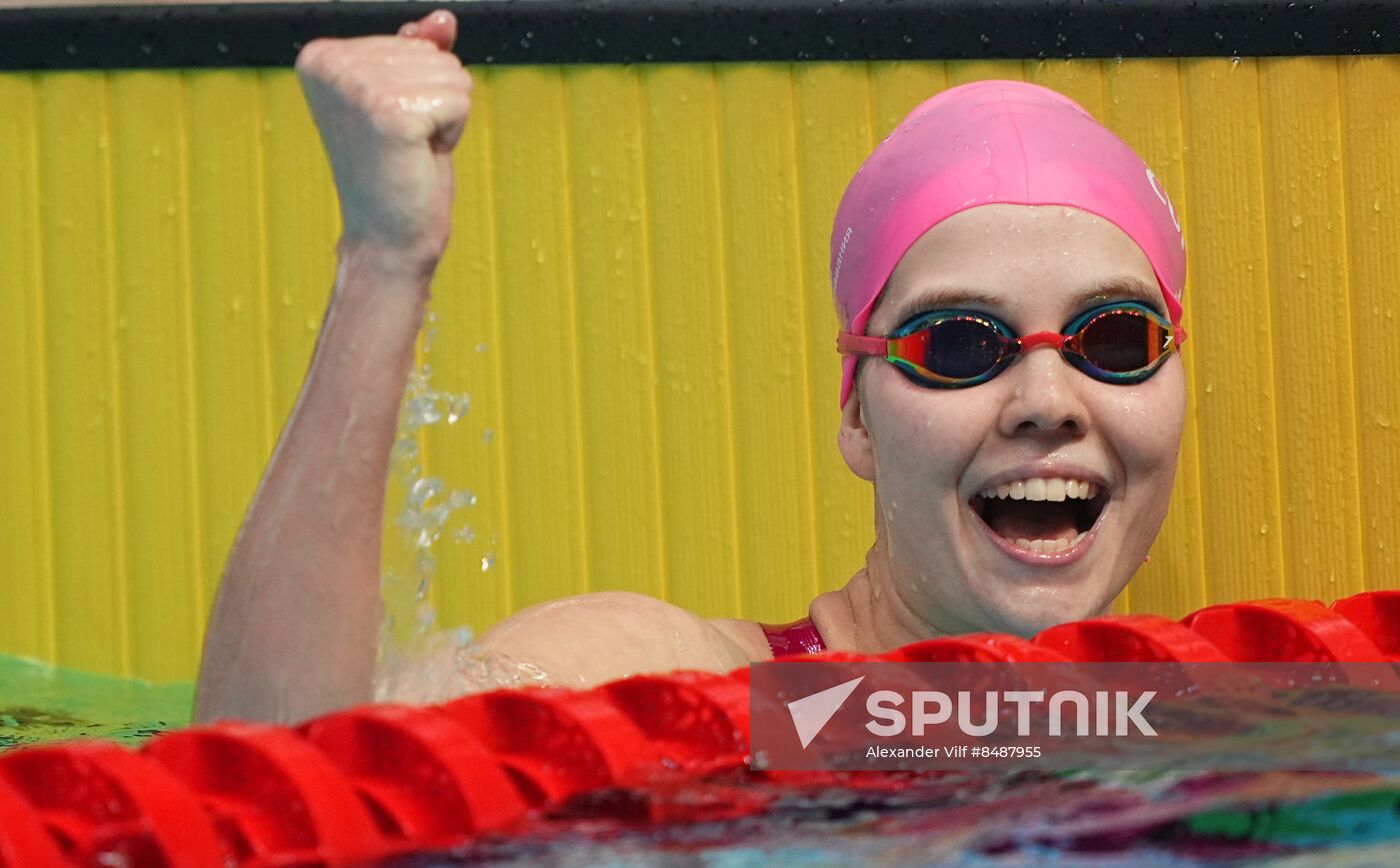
column 102, row 804
column 24, row 840
column 273, row 796
column 978, row 648
column 1136, row 638
column 1283, row 631
column 1377, row 614
column 423, row 775
column 375, row 781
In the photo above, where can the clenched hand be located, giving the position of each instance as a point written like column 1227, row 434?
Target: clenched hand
column 390, row 110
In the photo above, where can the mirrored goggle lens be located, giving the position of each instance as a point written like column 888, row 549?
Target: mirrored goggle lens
column 960, row 348
column 1121, row 342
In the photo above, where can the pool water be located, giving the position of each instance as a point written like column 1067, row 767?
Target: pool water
column 1138, row 819
column 39, row 703
column 982, row 819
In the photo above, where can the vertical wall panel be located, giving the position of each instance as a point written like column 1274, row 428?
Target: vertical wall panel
column 1306, row 213
column 541, row 389
column 833, row 137
column 1372, row 167
column 233, row 425
column 27, row 614
column 303, row 222
column 466, row 359
column 768, row 348
column 84, row 401
column 687, row 232
column 162, row 530
column 1080, row 80
column 964, row 71
column 896, row 88
column 617, row 364
column 1143, row 103
column 1229, row 321
column 636, row 300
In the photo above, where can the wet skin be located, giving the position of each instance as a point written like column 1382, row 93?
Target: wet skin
column 294, row 626
column 929, row 452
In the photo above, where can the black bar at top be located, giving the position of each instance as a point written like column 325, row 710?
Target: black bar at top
column 682, row 31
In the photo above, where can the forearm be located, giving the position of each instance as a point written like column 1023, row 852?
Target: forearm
column 294, row 627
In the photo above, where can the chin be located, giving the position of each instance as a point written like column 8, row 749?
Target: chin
column 1030, row 617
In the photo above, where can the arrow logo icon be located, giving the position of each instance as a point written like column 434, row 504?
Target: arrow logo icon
column 811, row 713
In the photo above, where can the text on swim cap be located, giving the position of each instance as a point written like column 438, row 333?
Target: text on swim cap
column 1162, row 195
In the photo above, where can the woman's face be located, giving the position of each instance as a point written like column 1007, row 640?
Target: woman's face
column 932, row 453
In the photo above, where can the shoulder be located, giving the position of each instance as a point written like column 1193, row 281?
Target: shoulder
column 594, row 638
column 748, row 635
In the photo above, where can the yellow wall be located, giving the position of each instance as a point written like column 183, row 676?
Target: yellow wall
column 637, row 301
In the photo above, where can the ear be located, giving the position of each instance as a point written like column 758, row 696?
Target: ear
column 854, row 439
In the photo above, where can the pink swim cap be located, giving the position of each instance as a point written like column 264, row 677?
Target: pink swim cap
column 984, row 143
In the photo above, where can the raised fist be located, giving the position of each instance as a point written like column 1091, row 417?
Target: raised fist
column 390, row 110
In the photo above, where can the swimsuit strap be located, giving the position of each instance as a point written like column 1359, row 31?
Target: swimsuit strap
column 799, row 637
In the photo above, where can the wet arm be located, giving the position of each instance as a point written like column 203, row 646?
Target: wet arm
column 295, row 624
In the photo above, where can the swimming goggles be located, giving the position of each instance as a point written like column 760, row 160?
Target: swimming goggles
column 1123, row 342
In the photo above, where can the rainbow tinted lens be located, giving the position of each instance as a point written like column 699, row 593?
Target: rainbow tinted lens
column 1123, row 342
column 951, row 348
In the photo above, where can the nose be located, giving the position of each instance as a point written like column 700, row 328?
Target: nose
column 1044, row 395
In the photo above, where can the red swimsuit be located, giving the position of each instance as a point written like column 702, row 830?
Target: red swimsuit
column 799, row 637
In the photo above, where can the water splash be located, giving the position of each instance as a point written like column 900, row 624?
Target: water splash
column 417, row 661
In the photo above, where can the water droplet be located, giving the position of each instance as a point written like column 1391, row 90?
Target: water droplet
column 481, row 348
column 488, row 562
column 457, row 408
column 1297, row 220
column 424, row 490
column 488, row 435
column 459, row 499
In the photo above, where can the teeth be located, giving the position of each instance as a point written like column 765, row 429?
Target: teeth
column 1049, row 546
column 1055, row 489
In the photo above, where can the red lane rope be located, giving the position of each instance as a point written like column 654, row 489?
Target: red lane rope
column 382, row 780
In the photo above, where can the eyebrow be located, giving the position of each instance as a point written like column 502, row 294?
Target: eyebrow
column 1110, row 289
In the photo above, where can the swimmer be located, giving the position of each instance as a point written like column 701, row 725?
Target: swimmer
column 1008, row 278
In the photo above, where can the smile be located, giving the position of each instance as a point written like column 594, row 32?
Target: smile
column 1041, row 520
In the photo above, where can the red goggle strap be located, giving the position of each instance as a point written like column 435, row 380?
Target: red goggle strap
column 861, row 345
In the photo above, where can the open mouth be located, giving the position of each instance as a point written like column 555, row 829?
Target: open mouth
column 1041, row 515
